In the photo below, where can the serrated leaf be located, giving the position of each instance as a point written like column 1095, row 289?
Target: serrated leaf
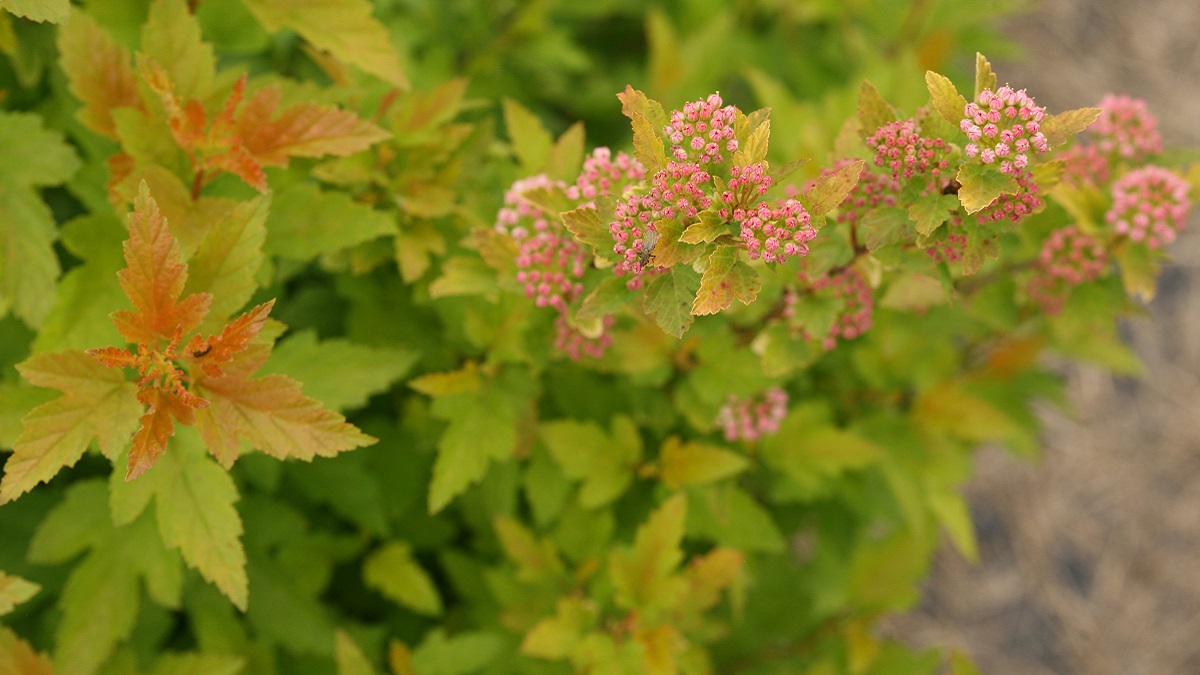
column 18, row 658
column 462, row 275
column 946, row 100
column 603, row 462
column 585, row 223
column 643, row 575
column 984, row 77
column 227, row 262
column 634, row 101
column 305, row 222
column 830, row 190
column 497, row 249
column 566, row 155
column 647, row 144
column 97, row 403
column 466, row 379
column 669, row 299
column 873, row 110
column 339, row 373
column 98, row 73
column 556, row 636
column 528, row 136
column 89, row 291
column 171, row 38
column 1061, row 127
column 13, row 591
column 729, row 516
column 300, row 130
column 610, row 297
column 982, row 184
column 930, row 211
column 669, row 251
column 882, row 226
column 482, row 429
column 54, row 11
column 344, row 28
column 694, row 463
column 537, row 561
column 394, row 572
column 807, row 450
column 706, row 230
column 726, row 279
column 754, row 149
column 461, row 654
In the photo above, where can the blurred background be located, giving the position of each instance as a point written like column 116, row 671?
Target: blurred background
column 1090, row 557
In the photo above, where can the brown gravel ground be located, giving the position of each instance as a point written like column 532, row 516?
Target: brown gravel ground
column 1091, row 556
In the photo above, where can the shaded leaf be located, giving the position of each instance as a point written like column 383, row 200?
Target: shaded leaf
column 339, row 373
column 98, row 73
column 585, row 223
column 54, row 11
column 873, row 110
column 13, row 591
column 982, row 184
column 603, row 462
column 349, row 656
column 394, row 572
column 1061, row 127
column 828, row 191
column 527, row 135
column 228, row 259
column 18, row 658
column 669, row 299
column 643, row 574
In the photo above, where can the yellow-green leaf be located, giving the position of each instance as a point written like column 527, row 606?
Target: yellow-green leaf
column 946, row 100
column 670, row 297
column 984, row 77
column 982, row 184
column 18, row 658
column 530, row 141
column 643, row 575
column 604, row 463
column 394, row 572
column 726, row 279
column 349, row 656
column 54, row 11
column 694, row 463
column 13, row 591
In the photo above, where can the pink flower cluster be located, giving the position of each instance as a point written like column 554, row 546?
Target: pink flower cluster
column 1126, row 128
column 1150, row 205
column 549, row 265
column 701, row 131
column 1004, row 126
column 519, row 217
column 677, row 191
column 900, row 147
column 746, row 184
column 775, row 234
column 951, row 247
column 872, row 191
column 752, row 418
column 1016, row 205
column 569, row 340
column 1069, row 257
column 602, row 175
column 851, row 287
column 1085, row 164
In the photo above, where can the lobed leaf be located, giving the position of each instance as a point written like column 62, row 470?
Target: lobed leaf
column 946, row 100
column 530, row 141
column 171, row 38
column 13, row 591
column 18, row 658
column 98, row 73
column 603, row 462
column 305, row 222
column 643, row 575
column 691, row 463
column 53, row 11
column 726, row 279
column 670, row 297
column 873, row 110
column 982, row 184
column 984, row 77
column 394, row 572
column 828, row 191
column 1061, row 127
column 339, row 373
column 482, row 429
column 229, row 257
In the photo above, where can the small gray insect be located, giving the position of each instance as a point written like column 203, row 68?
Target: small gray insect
column 649, row 239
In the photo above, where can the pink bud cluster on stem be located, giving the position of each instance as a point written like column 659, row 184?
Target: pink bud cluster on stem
column 750, row 419
column 951, row 247
column 777, row 233
column 1150, row 206
column 1015, row 205
column 603, row 175
column 849, row 286
column 1069, row 257
column 901, row 149
column 572, row 342
column 677, row 191
column 1004, row 127
column 1126, row 128
column 702, row 131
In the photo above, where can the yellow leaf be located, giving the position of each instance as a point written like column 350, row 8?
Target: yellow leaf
column 695, row 463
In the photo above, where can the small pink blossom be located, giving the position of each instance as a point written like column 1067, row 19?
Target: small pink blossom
column 900, row 148
column 519, row 217
column 701, row 130
column 549, row 266
column 1126, row 128
column 851, row 288
column 570, row 341
column 775, row 234
column 750, row 419
column 1069, row 257
column 997, row 124
column 1150, row 205
column 1013, row 206
column 603, row 175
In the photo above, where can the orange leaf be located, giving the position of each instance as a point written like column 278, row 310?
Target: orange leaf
column 303, row 130
column 154, row 279
column 114, row 357
column 98, row 72
column 150, row 441
column 218, row 349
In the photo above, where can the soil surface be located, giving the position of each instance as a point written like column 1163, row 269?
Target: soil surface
column 1090, row 557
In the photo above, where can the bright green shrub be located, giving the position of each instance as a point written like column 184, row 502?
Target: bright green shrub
column 539, row 433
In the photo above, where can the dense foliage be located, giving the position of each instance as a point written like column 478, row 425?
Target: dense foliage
column 702, row 402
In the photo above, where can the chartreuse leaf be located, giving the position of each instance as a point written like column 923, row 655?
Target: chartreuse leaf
column 982, row 184
column 604, row 462
column 306, row 221
column 648, row 119
column 635, row 101
column 337, row 372
column 98, row 72
column 555, row 637
column 37, row 158
column 97, row 403
column 171, row 38
column 726, row 279
column 946, row 100
column 951, row 511
column 88, row 292
column 54, row 11
column 13, row 591
column 198, row 664
column 984, row 77
column 808, row 450
column 228, row 259
column 1139, row 270
column 344, row 28
column 464, row 653
column 829, row 191
column 930, row 211
column 537, row 561
column 585, row 223
column 690, row 463
column 731, row 517
column 950, row 408
column 643, row 575
column 566, row 155
column 1061, row 127
column 528, row 136
column 669, row 299
column 883, row 573
column 18, row 658
column 394, row 572
column 349, row 656
column 873, row 110
column 101, row 597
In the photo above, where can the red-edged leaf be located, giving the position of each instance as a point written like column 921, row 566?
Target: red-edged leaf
column 98, row 72
column 217, row 349
column 114, row 357
column 150, row 441
column 303, row 130
column 154, row 279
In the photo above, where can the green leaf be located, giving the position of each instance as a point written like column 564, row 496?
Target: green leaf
column 912, row 291
column 807, row 450
column 984, row 77
column 394, row 572
column 729, row 516
column 669, row 299
column 13, row 591
column 54, row 11
column 726, row 279
column 873, row 110
column 305, row 222
column 643, row 575
column 585, row 223
column 605, row 463
column 528, row 136
column 1061, row 127
column 982, row 184
column 706, row 230
column 634, row 101
column 228, row 259
column 482, row 429
column 458, row 655
column 462, row 275
column 883, row 574
column 198, row 664
column 344, row 28
column 946, row 100
column 1139, row 267
column 171, row 38
column 97, row 403
column 349, row 656
column 537, row 561
column 830, row 190
column 556, row 636
column 36, row 157
column 950, row 408
column 952, row 513
column 930, row 211
column 753, row 149
column 693, row 463
column 610, row 297
column 885, row 225
column 88, row 292
column 566, row 155
column 336, row 372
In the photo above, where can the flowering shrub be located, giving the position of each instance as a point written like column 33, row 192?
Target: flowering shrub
column 307, row 369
